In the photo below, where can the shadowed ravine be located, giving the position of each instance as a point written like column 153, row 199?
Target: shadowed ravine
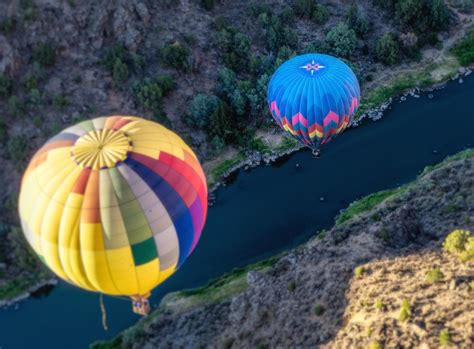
column 268, row 210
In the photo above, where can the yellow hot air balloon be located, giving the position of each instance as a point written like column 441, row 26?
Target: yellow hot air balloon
column 114, row 205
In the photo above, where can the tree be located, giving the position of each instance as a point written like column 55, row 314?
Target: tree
column 208, row 4
column 342, row 40
column 409, row 11
column 5, row 86
column 439, row 15
column 217, row 145
column 120, row 71
column 202, row 107
column 221, row 123
column 18, row 148
column 234, row 46
column 355, row 20
column 176, row 56
column 320, row 14
column 45, row 55
column 149, row 92
column 352, row 15
column 387, row 49
column 304, row 8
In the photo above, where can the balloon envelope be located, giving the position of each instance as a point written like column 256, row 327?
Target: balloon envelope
column 114, row 205
column 313, row 97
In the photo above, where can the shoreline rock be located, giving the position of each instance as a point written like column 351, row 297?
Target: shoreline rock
column 4, row 304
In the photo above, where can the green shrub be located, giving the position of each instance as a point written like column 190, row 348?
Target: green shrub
column 409, row 12
column 30, row 81
column 111, row 55
column 8, row 25
column 208, row 4
column 439, row 15
column 259, row 145
column 387, row 49
column 176, row 56
column 356, row 21
column 149, row 92
column 201, row 109
column 384, row 235
column 34, row 97
column 161, row 117
column 45, row 55
column 368, row 331
column 37, row 121
column 60, row 101
column 375, row 345
column 221, row 123
column 342, row 40
column 6, row 86
column 318, row 310
column 378, row 305
column 120, row 71
column 405, row 311
column 464, row 49
column 3, row 131
column 292, row 286
column 320, row 14
column 277, row 34
column 18, row 148
column 28, row 10
column 234, row 47
column 227, row 88
column 217, row 145
column 117, row 60
column 468, row 254
column 456, row 241
column 445, row 337
column 304, row 8
column 15, row 106
column 365, row 204
column 191, row 39
column 359, row 271
column 376, row 217
column 166, row 83
column 434, row 275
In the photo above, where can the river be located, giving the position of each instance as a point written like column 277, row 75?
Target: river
column 267, row 210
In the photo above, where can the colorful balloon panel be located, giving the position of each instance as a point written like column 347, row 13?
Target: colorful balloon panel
column 313, row 97
column 114, row 205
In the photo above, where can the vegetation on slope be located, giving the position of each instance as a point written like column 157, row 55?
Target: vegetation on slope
column 215, row 291
column 464, row 49
column 404, row 309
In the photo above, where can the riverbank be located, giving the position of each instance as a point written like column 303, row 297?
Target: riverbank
column 376, row 255
column 436, row 68
column 376, row 103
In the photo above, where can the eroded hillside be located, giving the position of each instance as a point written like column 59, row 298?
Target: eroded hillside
column 379, row 278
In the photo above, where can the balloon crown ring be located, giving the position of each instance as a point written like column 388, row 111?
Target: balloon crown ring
column 101, row 149
column 312, row 67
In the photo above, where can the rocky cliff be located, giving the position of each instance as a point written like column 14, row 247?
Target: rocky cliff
column 379, row 278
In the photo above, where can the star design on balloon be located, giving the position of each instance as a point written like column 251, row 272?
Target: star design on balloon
column 312, row 67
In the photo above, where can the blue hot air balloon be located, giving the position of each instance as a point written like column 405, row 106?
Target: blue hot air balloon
column 313, row 97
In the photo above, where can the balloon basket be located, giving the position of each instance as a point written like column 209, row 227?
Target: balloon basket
column 316, row 153
column 141, row 305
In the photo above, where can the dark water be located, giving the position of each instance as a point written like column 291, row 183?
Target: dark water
column 268, row 210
